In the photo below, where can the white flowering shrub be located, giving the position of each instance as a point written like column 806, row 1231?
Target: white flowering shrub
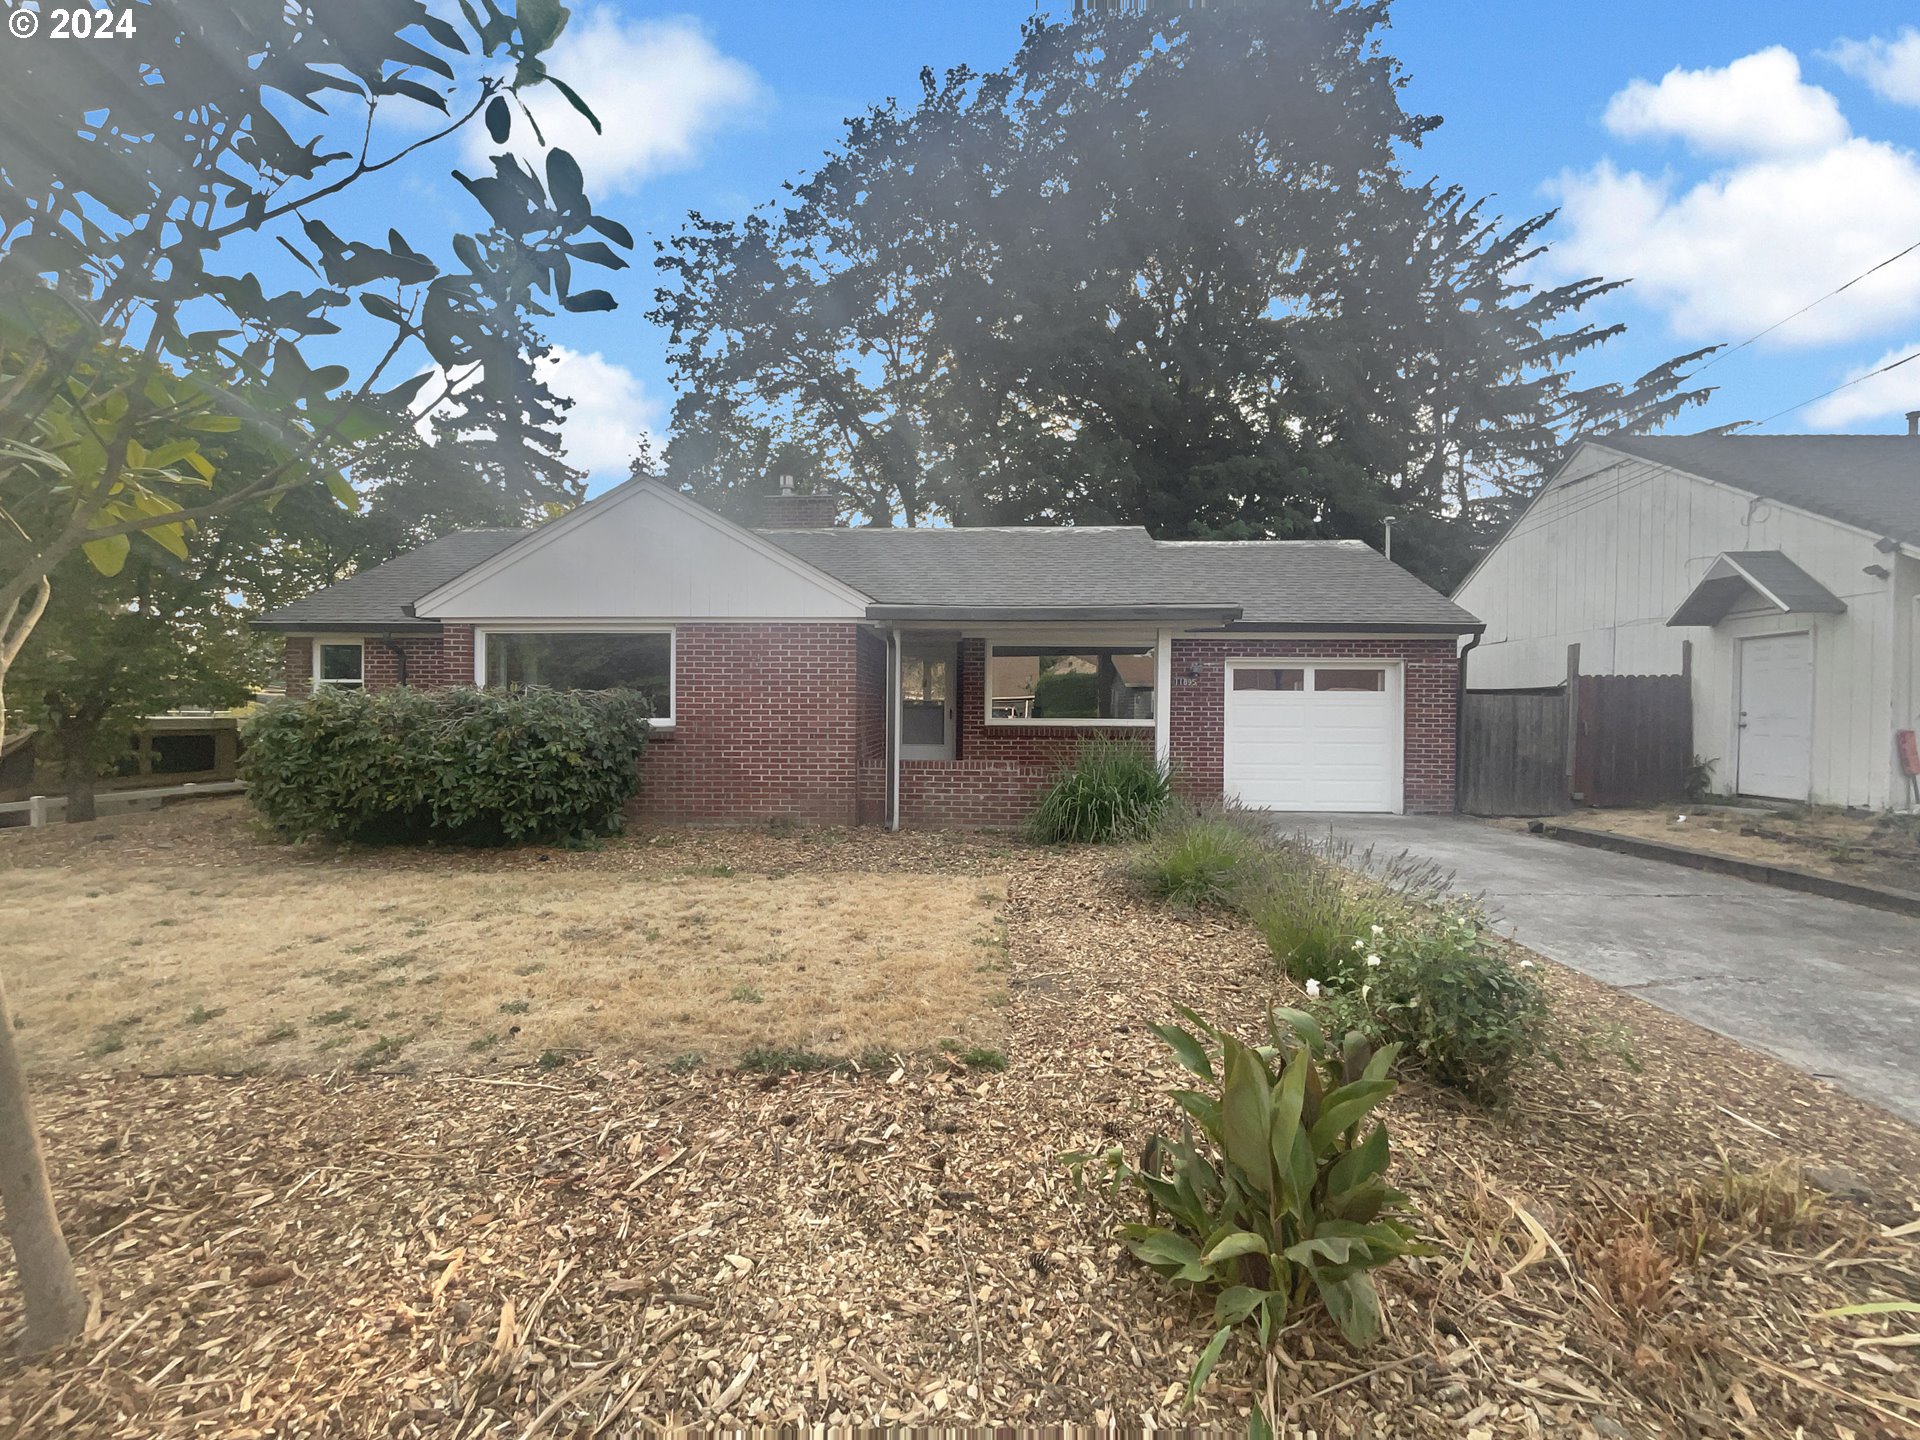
column 1435, row 983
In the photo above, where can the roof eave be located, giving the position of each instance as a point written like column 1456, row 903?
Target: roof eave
column 1163, row 614
column 347, row 627
column 1371, row 627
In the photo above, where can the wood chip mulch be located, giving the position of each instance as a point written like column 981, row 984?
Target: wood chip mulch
column 607, row 1253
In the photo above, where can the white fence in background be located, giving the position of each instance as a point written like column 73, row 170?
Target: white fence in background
column 40, row 809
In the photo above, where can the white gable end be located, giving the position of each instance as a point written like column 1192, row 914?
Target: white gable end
column 643, row 552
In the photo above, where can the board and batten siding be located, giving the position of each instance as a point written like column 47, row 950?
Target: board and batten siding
column 1613, row 546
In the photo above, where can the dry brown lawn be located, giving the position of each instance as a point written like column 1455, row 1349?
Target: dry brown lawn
column 127, row 953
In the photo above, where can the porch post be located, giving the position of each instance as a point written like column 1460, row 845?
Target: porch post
column 1163, row 698
column 893, row 729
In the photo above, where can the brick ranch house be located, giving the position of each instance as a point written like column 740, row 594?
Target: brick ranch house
column 924, row 677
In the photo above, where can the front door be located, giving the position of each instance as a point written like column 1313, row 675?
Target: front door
column 1776, row 716
column 927, row 682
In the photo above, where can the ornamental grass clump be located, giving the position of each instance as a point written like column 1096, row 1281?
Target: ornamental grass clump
column 1279, row 1203
column 1435, row 983
column 1110, row 790
column 1314, row 898
column 1197, row 858
column 454, row 766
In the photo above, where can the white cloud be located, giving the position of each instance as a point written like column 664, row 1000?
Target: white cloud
column 1894, row 393
column 1729, row 254
column 659, row 87
column 611, row 409
column 1758, row 105
column 1889, row 68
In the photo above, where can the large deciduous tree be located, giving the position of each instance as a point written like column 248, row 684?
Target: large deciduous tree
column 1168, row 267
column 112, row 651
column 137, row 180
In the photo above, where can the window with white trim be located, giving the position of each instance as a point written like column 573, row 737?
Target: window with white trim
column 1070, row 684
column 638, row 660
column 340, row 664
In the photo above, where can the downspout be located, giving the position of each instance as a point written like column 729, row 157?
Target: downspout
column 399, row 658
column 1460, row 715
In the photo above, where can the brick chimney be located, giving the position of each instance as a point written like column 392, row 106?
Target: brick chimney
column 788, row 511
column 1913, row 422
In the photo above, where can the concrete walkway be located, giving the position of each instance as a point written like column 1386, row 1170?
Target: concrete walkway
column 1830, row 987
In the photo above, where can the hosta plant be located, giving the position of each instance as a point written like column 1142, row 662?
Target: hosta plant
column 1278, row 1201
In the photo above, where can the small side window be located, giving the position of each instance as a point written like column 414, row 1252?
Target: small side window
column 339, row 664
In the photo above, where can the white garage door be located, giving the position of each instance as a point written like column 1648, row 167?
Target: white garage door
column 1313, row 737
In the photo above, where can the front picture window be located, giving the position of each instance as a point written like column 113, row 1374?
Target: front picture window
column 1070, row 682
column 586, row 661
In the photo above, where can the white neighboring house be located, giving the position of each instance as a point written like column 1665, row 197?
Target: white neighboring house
column 1792, row 564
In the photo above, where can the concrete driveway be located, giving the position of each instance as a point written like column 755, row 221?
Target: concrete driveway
column 1830, row 987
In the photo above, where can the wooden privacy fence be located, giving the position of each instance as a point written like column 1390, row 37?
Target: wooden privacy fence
column 1633, row 739
column 1597, row 740
column 1513, row 752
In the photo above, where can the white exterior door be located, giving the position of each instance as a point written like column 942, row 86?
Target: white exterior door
column 928, row 675
column 1309, row 736
column 1776, row 717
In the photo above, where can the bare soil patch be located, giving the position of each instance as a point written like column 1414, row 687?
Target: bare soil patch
column 124, row 955
column 1869, row 849
column 612, row 1247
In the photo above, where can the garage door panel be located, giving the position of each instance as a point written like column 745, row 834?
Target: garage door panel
column 1312, row 748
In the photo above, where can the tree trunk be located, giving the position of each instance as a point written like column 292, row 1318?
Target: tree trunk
column 55, row 1308
column 78, row 778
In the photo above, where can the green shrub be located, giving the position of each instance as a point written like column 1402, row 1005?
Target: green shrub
column 462, row 766
column 1435, row 984
column 1111, row 790
column 1201, row 857
column 1280, row 1201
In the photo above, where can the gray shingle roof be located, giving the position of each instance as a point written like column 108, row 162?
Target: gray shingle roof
column 376, row 599
column 1312, row 583
column 993, row 570
column 1768, row 573
column 1872, row 481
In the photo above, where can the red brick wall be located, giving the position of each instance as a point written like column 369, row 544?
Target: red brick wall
column 772, row 721
column 968, row 794
column 1199, row 706
column 870, row 749
column 299, row 663
column 431, row 660
column 767, row 726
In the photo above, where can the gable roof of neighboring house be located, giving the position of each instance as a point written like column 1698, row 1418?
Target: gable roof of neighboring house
column 1088, row 573
column 380, row 599
column 1871, row 482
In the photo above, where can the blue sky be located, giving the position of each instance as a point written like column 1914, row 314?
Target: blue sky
column 1782, row 158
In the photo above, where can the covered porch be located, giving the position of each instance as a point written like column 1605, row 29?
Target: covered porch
column 981, row 717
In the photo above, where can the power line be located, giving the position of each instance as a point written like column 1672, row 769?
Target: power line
column 1843, row 385
column 1804, row 309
